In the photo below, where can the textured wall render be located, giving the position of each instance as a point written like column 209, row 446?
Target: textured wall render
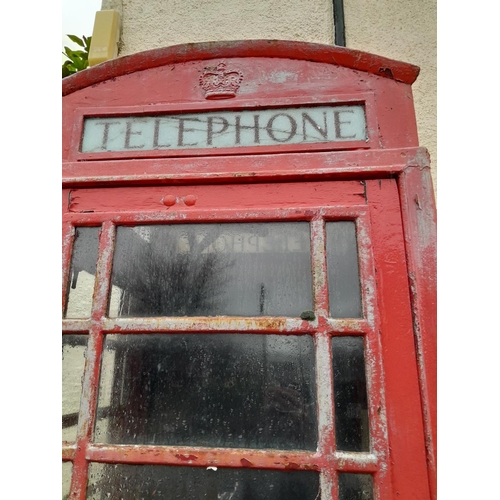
column 158, row 23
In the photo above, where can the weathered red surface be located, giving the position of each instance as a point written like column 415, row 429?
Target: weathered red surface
column 419, row 215
column 241, row 169
column 341, row 56
column 383, row 185
column 401, row 383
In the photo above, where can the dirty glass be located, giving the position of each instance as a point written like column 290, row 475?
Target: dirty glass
column 355, row 486
column 349, row 383
column 216, row 390
column 67, row 468
column 73, row 361
column 82, row 274
column 157, row 482
column 343, row 273
column 213, row 269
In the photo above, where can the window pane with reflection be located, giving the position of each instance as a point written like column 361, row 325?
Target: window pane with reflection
column 213, row 269
column 82, row 274
column 355, row 486
column 216, row 390
column 73, row 362
column 351, row 404
column 67, row 468
column 343, row 272
column 132, row 482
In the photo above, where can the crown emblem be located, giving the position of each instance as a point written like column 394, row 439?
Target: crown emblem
column 219, row 83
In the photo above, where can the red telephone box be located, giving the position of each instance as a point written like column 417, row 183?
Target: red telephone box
column 248, row 277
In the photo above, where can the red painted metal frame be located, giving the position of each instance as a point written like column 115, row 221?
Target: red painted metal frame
column 419, row 219
column 395, row 207
column 373, row 164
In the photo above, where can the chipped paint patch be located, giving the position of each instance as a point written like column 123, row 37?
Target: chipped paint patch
column 282, row 76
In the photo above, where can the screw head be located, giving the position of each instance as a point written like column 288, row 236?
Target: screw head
column 169, row 200
column 190, row 200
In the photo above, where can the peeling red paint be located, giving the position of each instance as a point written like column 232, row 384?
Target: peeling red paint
column 186, row 458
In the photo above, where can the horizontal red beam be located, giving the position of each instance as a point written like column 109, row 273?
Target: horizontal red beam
column 234, row 458
column 218, row 324
column 245, row 168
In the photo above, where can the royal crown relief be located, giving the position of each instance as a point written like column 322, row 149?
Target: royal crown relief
column 217, row 83
column 224, row 128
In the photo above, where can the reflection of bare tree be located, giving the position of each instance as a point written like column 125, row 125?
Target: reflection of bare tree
column 169, row 272
column 215, row 390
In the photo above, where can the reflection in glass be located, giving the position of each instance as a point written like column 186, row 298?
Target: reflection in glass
column 82, row 274
column 213, row 269
column 343, row 273
column 73, row 362
column 67, row 468
column 351, row 405
column 132, row 482
column 230, row 390
column 355, row 486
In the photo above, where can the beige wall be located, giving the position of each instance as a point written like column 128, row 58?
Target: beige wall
column 398, row 29
column 150, row 24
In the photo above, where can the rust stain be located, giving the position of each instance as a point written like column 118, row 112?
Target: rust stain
column 223, row 323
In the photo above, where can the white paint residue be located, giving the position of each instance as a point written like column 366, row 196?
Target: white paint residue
column 282, row 76
column 212, row 468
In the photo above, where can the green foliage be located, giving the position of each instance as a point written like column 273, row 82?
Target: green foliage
column 77, row 59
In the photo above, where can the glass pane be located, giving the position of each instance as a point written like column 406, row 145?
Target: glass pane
column 67, row 468
column 343, row 274
column 73, row 362
column 82, row 275
column 351, row 405
column 355, row 486
column 213, row 269
column 230, row 390
column 132, row 482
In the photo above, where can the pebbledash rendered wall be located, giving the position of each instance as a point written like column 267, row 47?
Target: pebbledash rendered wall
column 399, row 29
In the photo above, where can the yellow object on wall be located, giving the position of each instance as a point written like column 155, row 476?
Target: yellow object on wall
column 105, row 37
